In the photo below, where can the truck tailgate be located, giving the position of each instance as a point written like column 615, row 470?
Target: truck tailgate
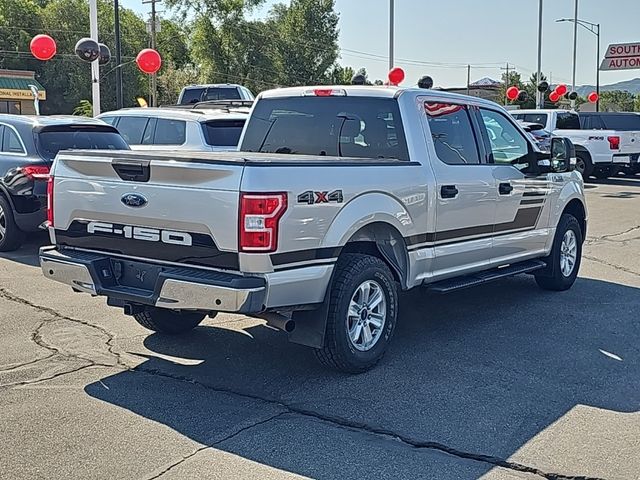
column 151, row 206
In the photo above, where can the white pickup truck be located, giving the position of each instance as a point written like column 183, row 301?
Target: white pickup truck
column 339, row 198
column 600, row 152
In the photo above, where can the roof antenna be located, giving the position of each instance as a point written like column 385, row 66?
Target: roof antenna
column 425, row 82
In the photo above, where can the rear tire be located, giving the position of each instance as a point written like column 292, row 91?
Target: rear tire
column 362, row 313
column 567, row 249
column 168, row 321
column 584, row 165
column 11, row 237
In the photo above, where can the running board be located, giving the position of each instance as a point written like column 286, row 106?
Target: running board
column 459, row 283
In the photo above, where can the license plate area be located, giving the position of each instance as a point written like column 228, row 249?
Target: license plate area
column 136, row 274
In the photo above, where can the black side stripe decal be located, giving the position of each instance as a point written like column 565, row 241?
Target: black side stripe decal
column 305, row 255
column 534, row 201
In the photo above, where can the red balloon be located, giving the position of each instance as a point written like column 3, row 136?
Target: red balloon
column 593, row 97
column 554, row 96
column 149, row 61
column 512, row 93
column 396, row 76
column 43, row 47
column 561, row 89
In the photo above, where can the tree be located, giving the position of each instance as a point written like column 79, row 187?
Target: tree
column 340, row 75
column 636, row 104
column 616, row 101
column 172, row 80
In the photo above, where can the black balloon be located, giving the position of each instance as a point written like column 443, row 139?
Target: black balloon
column 522, row 96
column 543, row 86
column 425, row 82
column 105, row 54
column 87, row 49
column 573, row 96
column 358, row 79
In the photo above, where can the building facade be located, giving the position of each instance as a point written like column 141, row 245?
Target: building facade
column 16, row 96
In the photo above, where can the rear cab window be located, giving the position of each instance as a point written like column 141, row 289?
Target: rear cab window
column 539, row 118
column 339, row 126
column 50, row 140
column 222, row 93
column 191, row 95
column 223, row 133
column 568, row 121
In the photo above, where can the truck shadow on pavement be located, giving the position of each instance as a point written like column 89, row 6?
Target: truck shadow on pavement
column 27, row 254
column 482, row 371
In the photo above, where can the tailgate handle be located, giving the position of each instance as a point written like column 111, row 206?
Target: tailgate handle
column 138, row 171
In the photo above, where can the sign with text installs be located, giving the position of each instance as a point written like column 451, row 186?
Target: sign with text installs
column 622, row 56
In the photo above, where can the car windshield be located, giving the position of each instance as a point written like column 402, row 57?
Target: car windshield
column 223, row 133
column 54, row 139
column 357, row 127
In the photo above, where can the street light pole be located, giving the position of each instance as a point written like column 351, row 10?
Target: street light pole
column 118, row 53
column 575, row 52
column 539, row 94
column 95, row 67
column 391, row 33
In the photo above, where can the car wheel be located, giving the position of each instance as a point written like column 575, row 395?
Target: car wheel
column 363, row 308
column 565, row 257
column 11, row 237
column 584, row 165
column 168, row 321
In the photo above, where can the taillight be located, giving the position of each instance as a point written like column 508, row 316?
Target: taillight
column 260, row 215
column 614, row 143
column 50, row 201
column 325, row 92
column 36, row 172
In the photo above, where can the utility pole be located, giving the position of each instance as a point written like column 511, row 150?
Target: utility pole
column 506, row 84
column 598, row 69
column 118, row 53
column 95, row 67
column 575, row 52
column 539, row 95
column 391, row 33
column 154, row 78
column 468, row 79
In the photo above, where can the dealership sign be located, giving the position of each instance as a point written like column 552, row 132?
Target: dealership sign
column 622, row 56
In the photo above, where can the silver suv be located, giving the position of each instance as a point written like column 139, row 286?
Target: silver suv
column 170, row 128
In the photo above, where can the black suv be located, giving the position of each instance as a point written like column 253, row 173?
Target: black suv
column 28, row 146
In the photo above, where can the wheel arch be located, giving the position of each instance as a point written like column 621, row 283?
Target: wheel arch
column 576, row 208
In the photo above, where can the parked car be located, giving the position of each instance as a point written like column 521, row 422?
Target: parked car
column 218, row 91
column 600, row 153
column 28, row 147
column 622, row 121
column 537, row 132
column 339, row 198
column 203, row 129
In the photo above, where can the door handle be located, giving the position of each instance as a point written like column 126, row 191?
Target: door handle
column 448, row 191
column 505, row 188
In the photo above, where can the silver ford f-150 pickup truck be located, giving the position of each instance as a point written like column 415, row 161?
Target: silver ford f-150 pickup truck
column 339, row 198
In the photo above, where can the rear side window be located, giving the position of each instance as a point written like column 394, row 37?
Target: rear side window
column 54, row 139
column 354, row 127
column 132, row 129
column 222, row 93
column 10, row 142
column 452, row 133
column 191, row 95
column 568, row 121
column 170, row 132
column 622, row 122
column 223, row 133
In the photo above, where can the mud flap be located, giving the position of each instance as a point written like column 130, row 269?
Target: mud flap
column 311, row 326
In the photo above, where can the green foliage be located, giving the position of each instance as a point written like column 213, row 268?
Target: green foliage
column 84, row 109
column 617, row 101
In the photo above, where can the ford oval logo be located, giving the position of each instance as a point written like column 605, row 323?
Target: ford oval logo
column 134, row 200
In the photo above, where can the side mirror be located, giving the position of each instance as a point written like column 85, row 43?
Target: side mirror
column 563, row 155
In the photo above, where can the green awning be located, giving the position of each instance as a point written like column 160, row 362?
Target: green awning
column 17, row 88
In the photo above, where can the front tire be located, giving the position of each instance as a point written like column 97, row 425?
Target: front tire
column 565, row 257
column 362, row 314
column 168, row 321
column 11, row 237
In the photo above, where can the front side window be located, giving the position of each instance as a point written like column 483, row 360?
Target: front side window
column 508, row 145
column 10, row 142
column 452, row 133
column 132, row 129
column 170, row 132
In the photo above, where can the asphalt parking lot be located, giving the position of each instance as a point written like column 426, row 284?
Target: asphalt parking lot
column 501, row 382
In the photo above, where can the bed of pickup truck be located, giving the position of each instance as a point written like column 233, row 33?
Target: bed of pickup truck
column 339, row 198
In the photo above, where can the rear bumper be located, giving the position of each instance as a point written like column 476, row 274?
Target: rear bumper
column 177, row 288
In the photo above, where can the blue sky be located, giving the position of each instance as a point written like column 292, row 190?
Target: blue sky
column 484, row 33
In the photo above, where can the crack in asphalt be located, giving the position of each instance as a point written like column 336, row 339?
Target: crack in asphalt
column 610, row 237
column 217, row 442
column 25, row 364
column 612, row 265
column 288, row 408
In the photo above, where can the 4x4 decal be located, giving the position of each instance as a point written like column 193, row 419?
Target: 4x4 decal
column 310, row 197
